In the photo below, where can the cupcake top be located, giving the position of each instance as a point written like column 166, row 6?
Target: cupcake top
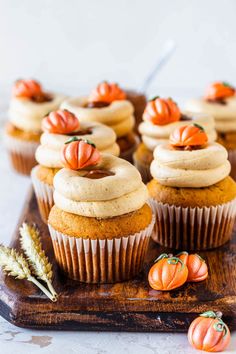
column 30, row 103
column 97, row 185
column 161, row 116
column 220, row 102
column 106, row 104
column 189, row 160
column 62, row 126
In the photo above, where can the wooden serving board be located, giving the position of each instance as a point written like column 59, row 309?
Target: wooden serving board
column 128, row 306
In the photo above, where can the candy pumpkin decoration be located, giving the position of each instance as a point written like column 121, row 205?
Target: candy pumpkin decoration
column 60, row 122
column 27, row 89
column 167, row 273
column 219, row 91
column 188, row 136
column 78, row 154
column 197, row 267
column 107, row 93
column 160, row 111
column 209, row 333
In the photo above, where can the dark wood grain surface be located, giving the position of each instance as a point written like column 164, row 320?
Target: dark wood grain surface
column 128, row 306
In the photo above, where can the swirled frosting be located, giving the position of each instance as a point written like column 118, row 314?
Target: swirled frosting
column 49, row 151
column 190, row 168
column 27, row 115
column 224, row 113
column 118, row 115
column 153, row 135
column 111, row 196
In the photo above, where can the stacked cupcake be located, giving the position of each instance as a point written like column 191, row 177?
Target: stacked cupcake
column 29, row 104
column 160, row 118
column 107, row 104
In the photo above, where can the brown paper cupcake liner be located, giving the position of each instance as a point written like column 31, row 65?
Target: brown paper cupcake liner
column 22, row 154
column 128, row 154
column 101, row 261
column 193, row 228
column 44, row 195
column 144, row 169
column 232, row 160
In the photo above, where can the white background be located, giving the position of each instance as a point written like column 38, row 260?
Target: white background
column 69, row 46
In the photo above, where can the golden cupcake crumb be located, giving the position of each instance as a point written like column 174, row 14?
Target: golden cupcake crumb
column 46, row 174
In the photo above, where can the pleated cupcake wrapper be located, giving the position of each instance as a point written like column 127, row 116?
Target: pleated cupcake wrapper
column 128, row 155
column 232, row 160
column 193, row 228
column 143, row 169
column 43, row 193
column 22, row 154
column 101, row 261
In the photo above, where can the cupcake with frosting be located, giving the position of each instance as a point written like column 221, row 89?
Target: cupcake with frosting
column 161, row 116
column 220, row 102
column 101, row 223
column 59, row 128
column 28, row 105
column 107, row 104
column 193, row 197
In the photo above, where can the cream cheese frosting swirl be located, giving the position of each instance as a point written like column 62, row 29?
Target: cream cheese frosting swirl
column 27, row 115
column 114, row 195
column 49, row 151
column 153, row 135
column 224, row 113
column 190, row 168
column 118, row 115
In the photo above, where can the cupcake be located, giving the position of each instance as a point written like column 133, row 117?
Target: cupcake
column 101, row 223
column 192, row 195
column 139, row 101
column 220, row 102
column 107, row 104
column 160, row 118
column 61, row 127
column 28, row 105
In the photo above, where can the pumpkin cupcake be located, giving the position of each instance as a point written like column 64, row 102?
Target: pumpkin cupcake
column 193, row 197
column 107, row 104
column 28, row 105
column 161, row 116
column 220, row 102
column 101, row 223
column 61, row 127
column 139, row 101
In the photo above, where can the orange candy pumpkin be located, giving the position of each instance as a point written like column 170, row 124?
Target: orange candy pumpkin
column 167, row 273
column 60, row 122
column 78, row 154
column 160, row 111
column 107, row 93
column 209, row 333
column 197, row 267
column 188, row 136
column 219, row 91
column 27, row 89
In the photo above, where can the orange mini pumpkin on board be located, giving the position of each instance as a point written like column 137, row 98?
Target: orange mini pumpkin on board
column 161, row 111
column 78, row 154
column 209, row 333
column 188, row 136
column 27, row 89
column 167, row 273
column 219, row 91
column 197, row 267
column 60, row 122
column 107, row 93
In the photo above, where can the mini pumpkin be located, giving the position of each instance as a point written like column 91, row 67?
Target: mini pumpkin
column 107, row 93
column 161, row 111
column 60, row 122
column 78, row 154
column 209, row 333
column 219, row 91
column 188, row 136
column 27, row 89
column 197, row 267
column 167, row 273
